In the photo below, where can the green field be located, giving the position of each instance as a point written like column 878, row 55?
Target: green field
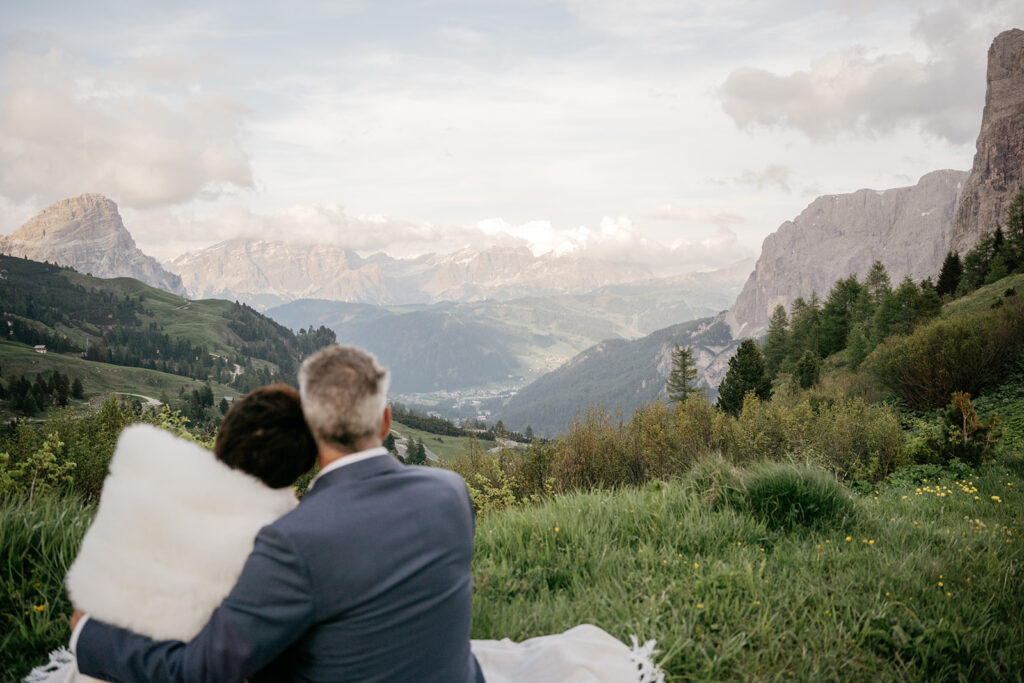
column 915, row 580
column 924, row 581
column 448, row 448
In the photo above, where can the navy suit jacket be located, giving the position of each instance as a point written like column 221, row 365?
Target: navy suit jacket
column 368, row 579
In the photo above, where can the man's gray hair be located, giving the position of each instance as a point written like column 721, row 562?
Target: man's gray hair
column 344, row 393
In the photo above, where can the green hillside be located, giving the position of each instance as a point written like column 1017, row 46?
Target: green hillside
column 617, row 373
column 448, row 448
column 120, row 335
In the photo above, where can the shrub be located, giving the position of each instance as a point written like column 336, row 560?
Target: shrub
column 945, row 356
column 786, row 497
column 593, row 454
column 768, row 430
column 856, row 440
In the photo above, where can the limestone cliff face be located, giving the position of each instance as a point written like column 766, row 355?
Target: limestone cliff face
column 998, row 172
column 907, row 229
column 87, row 234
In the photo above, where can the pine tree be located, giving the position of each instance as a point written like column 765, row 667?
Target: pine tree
column 415, row 453
column 877, row 282
column 528, row 433
column 808, row 370
column 77, row 390
column 857, row 346
column 949, row 276
column 389, row 443
column 684, row 373
column 837, row 314
column 746, row 374
column 804, row 327
column 776, row 344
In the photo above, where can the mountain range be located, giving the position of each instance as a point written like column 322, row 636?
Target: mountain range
column 503, row 311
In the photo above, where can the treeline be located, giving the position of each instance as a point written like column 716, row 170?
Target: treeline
column 443, row 427
column 30, row 397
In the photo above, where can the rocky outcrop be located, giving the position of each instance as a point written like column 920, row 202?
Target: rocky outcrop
column 998, row 172
column 87, row 234
column 907, row 229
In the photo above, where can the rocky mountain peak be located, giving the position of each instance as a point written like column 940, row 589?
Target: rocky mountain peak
column 907, row 229
column 87, row 234
column 998, row 171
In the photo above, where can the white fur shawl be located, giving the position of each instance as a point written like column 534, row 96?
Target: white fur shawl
column 173, row 529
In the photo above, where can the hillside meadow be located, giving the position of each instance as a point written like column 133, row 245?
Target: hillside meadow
column 774, row 571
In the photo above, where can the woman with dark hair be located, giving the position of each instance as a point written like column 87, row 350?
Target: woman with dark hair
column 175, row 522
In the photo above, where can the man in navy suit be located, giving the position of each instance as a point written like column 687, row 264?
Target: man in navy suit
column 368, row 579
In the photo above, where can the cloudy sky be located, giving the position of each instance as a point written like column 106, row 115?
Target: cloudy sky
column 666, row 131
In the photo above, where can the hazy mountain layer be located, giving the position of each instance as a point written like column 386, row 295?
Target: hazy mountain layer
column 268, row 273
column 87, row 234
column 521, row 337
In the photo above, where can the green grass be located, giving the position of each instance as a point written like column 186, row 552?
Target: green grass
column 984, row 297
column 923, row 582
column 448, row 448
column 728, row 598
column 38, row 541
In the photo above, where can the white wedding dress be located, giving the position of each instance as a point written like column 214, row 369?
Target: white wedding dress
column 172, row 532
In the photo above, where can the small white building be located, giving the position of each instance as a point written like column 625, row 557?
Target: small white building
column 40, row 348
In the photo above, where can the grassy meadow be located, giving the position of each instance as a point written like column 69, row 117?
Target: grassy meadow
column 921, row 580
column 775, row 571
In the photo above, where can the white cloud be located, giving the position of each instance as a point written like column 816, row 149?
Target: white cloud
column 66, row 130
column 165, row 234
column 858, row 91
column 771, row 175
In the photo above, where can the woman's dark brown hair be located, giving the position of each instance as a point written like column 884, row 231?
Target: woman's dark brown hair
column 264, row 434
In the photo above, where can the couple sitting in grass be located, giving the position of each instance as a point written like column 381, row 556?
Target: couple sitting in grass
column 368, row 579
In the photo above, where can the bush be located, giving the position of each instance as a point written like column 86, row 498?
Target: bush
column 594, row 454
column 945, row 356
column 856, row 440
column 787, row 497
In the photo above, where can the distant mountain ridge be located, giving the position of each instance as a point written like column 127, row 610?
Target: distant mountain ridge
column 481, row 342
column 86, row 233
column 269, row 273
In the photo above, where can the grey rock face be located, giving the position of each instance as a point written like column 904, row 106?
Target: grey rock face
column 907, row 229
column 87, row 234
column 998, row 172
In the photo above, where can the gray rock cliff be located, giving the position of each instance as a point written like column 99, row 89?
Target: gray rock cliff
column 87, row 234
column 907, row 229
column 998, row 171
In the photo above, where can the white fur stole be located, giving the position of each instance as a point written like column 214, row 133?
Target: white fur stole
column 172, row 532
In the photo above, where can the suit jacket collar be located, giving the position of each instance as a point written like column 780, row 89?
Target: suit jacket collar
column 358, row 471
